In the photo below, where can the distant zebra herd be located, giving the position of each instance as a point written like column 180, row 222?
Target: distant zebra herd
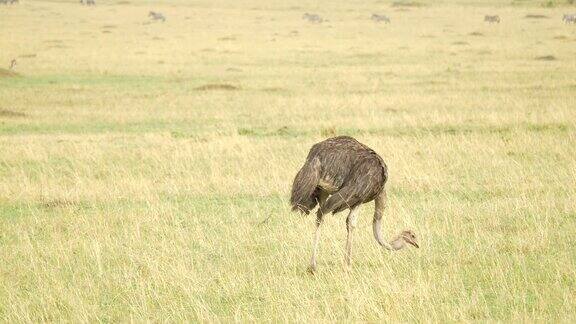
column 315, row 18
column 492, row 19
column 567, row 19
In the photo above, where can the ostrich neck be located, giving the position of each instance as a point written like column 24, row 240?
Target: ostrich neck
column 394, row 245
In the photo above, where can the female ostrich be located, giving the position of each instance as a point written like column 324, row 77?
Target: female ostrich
column 341, row 173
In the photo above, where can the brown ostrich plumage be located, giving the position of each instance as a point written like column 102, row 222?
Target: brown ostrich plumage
column 342, row 167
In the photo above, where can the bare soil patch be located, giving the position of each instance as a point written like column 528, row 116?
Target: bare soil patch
column 59, row 46
column 221, row 86
column 273, row 89
column 536, row 17
column 11, row 113
column 8, row 74
column 57, row 203
column 407, row 4
column 546, row 58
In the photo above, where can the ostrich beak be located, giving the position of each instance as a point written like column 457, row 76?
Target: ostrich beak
column 411, row 241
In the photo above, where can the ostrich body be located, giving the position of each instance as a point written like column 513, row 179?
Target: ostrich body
column 341, row 173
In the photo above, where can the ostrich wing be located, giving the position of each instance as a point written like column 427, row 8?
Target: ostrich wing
column 363, row 184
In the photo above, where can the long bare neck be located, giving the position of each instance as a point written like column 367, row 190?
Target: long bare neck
column 398, row 242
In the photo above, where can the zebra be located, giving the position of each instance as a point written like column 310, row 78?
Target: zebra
column 156, row 16
column 492, row 19
column 90, row 2
column 4, row 2
column 569, row 19
column 380, row 18
column 313, row 18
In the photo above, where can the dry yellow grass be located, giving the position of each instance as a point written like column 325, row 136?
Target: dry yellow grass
column 138, row 161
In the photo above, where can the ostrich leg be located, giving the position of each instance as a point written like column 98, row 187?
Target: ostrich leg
column 350, row 226
column 319, row 218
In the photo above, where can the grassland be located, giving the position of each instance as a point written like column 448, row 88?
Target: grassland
column 130, row 190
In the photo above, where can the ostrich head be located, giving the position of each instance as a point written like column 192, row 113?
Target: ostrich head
column 409, row 237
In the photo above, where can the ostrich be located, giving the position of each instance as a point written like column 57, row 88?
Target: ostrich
column 341, row 173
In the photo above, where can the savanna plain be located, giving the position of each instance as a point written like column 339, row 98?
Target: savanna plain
column 145, row 166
